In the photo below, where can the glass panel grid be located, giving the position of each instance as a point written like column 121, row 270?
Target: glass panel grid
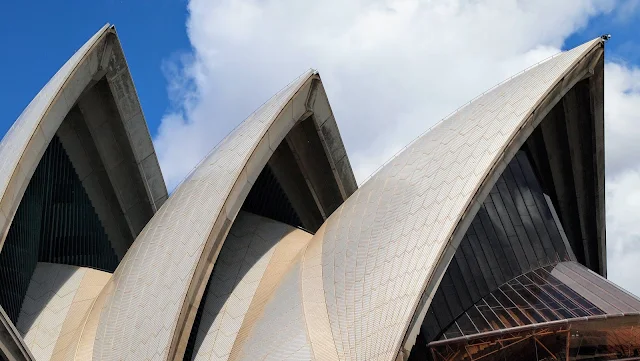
column 534, row 297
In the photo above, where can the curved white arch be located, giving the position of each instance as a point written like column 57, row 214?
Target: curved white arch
column 368, row 274
column 24, row 144
column 92, row 107
column 384, row 251
column 360, row 288
column 160, row 282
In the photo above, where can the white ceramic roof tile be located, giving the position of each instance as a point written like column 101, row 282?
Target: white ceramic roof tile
column 235, row 279
column 156, row 271
column 374, row 273
column 284, row 313
column 53, row 291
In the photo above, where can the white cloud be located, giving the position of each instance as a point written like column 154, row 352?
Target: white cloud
column 622, row 142
column 391, row 69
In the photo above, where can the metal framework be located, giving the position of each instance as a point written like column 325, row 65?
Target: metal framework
column 592, row 339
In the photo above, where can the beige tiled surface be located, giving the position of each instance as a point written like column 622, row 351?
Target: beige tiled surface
column 234, row 281
column 256, row 254
column 84, row 348
column 280, row 334
column 55, row 307
column 381, row 247
column 314, row 302
column 151, row 282
column 354, row 292
column 75, row 325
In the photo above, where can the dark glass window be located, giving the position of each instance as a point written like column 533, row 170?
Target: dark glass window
column 453, row 331
column 503, row 263
column 55, row 222
column 466, row 326
column 478, row 320
column 528, row 299
column 507, row 319
column 492, row 318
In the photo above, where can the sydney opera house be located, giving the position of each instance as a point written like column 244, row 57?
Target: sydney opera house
column 483, row 240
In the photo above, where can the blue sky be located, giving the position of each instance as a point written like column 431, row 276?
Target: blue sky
column 391, row 68
column 42, row 35
column 153, row 32
column 624, row 26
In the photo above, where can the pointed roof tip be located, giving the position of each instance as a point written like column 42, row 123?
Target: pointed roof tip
column 605, row 37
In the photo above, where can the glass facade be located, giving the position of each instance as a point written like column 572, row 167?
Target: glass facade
column 564, row 291
column 55, row 222
column 514, row 231
column 564, row 311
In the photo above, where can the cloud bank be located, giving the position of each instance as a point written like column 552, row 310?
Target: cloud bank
column 392, row 69
column 622, row 147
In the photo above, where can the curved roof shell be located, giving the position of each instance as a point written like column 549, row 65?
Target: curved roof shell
column 240, row 314
column 90, row 108
column 56, row 310
column 386, row 248
column 368, row 274
column 360, row 288
column 160, row 282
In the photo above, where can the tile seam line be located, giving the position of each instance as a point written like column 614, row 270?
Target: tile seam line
column 324, row 302
column 302, row 254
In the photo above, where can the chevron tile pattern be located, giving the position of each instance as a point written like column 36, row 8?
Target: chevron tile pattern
column 381, row 248
column 261, row 258
column 138, row 321
column 246, row 255
column 58, row 300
